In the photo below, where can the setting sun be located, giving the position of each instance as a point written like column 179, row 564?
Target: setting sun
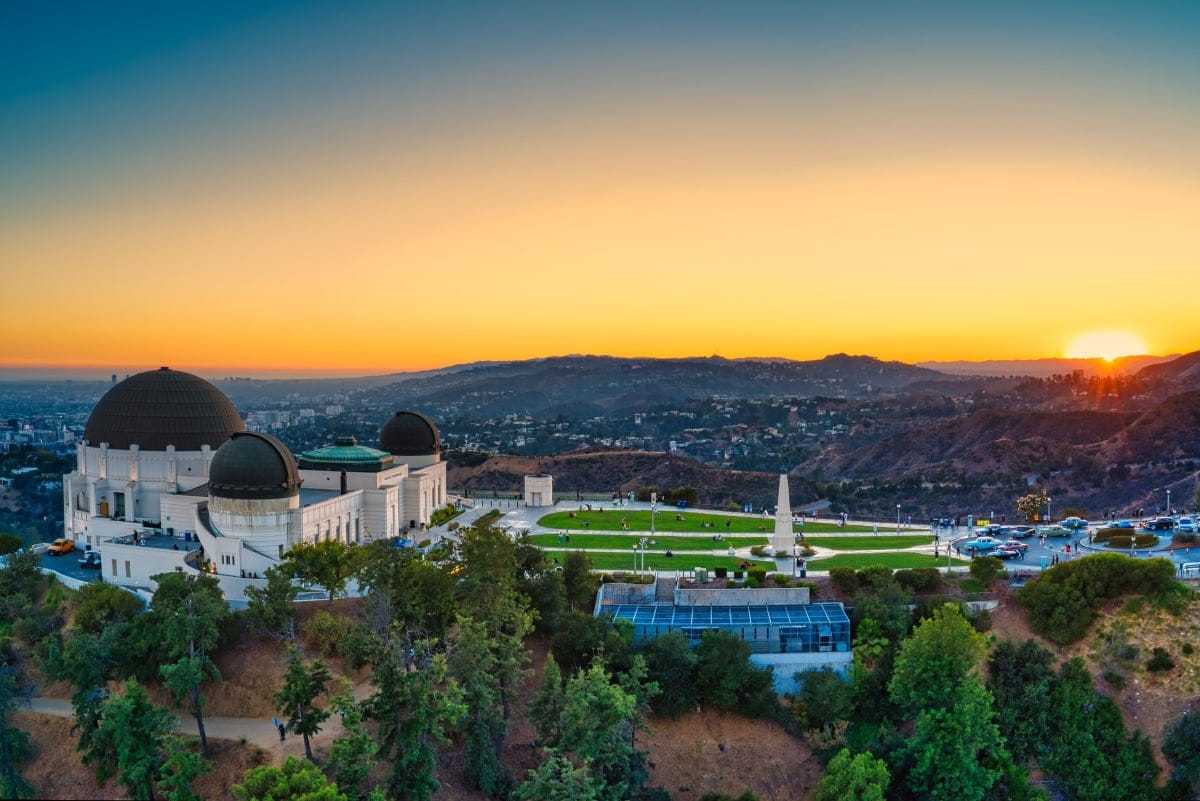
column 1107, row 345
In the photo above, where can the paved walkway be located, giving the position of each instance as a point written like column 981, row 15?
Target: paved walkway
column 256, row 731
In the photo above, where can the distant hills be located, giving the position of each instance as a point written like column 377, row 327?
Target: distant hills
column 1046, row 367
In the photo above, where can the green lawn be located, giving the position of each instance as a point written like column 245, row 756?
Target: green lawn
column 657, row 561
column 627, row 541
column 883, row 542
column 666, row 520
column 895, row 561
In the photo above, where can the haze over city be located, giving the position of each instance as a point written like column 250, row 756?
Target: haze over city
column 330, row 189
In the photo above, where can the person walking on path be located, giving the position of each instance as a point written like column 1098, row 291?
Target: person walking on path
column 282, row 728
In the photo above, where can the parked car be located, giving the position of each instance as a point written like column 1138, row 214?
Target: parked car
column 980, row 544
column 61, row 546
column 1074, row 522
column 1021, row 532
column 1055, row 531
column 1006, row 553
column 1122, row 524
column 1159, row 524
column 1017, row 544
column 1186, row 524
column 91, row 559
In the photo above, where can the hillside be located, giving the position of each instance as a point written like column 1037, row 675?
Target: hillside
column 969, row 440
column 1170, row 430
column 624, row 471
column 543, row 387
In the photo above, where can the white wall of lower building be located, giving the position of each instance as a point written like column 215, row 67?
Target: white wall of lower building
column 539, row 491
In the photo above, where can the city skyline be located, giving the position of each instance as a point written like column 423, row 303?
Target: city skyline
column 310, row 188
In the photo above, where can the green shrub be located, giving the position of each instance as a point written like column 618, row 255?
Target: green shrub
column 1160, row 660
column 986, row 568
column 721, row 572
column 1184, row 536
column 759, row 550
column 326, row 633
column 1187, row 649
column 1062, row 602
column 844, row 578
column 753, row 583
column 1114, row 679
column 920, row 578
column 758, row 574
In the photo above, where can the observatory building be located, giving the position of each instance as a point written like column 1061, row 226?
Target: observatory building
column 168, row 479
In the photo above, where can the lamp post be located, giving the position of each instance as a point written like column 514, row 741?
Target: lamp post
column 635, row 557
column 1048, row 520
column 1168, row 503
column 897, row 518
column 653, row 507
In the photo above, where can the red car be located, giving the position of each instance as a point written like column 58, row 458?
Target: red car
column 1017, row 544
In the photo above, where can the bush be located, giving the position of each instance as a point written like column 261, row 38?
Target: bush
column 1062, row 602
column 921, row 578
column 1114, row 679
column 757, row 574
column 721, row 572
column 1126, row 541
column 759, row 550
column 1160, row 660
column 986, row 568
column 1184, row 536
column 844, row 578
column 98, row 604
column 1187, row 649
column 326, row 633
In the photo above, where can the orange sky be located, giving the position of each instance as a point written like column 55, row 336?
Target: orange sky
column 913, row 221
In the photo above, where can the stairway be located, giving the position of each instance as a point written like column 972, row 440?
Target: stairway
column 664, row 590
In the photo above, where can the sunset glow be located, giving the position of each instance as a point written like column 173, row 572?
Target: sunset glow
column 1107, row 345
column 381, row 187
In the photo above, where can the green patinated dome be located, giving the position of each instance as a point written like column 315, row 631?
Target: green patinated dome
column 346, row 454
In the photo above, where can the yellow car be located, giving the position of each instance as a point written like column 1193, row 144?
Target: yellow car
column 61, row 546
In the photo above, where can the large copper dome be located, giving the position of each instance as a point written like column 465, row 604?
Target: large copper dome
column 410, row 434
column 163, row 407
column 255, row 466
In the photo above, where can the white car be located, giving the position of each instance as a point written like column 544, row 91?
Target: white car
column 1186, row 524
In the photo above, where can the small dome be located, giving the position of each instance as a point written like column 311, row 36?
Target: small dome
column 253, row 466
column 346, row 454
column 410, row 434
column 163, row 407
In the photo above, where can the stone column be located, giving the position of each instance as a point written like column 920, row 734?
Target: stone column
column 783, row 539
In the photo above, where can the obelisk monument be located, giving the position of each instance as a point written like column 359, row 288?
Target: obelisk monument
column 783, row 539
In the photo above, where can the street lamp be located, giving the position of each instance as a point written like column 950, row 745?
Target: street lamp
column 1168, row 503
column 1048, row 520
column 897, row 518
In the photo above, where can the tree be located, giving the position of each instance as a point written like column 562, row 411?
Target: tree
column 351, row 756
column 414, row 704
column 559, row 779
column 88, row 661
column 98, row 604
column 853, row 777
column 295, row 780
column 270, row 607
column 14, row 743
column 1020, row 679
column 940, row 656
column 956, row 751
column 597, row 723
column 329, row 563
column 578, row 580
column 473, row 664
column 1032, row 504
column 1179, row 747
column 545, row 710
column 129, row 741
column 193, row 610
column 672, row 663
column 726, row 678
column 302, row 683
column 401, row 587
column 825, row 697
column 10, row 543
column 179, row 769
